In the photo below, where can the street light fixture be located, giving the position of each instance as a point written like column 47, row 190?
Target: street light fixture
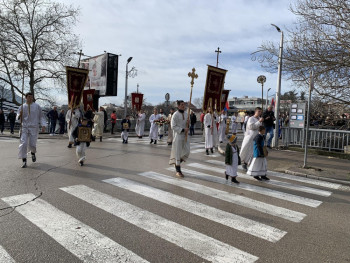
column 126, row 86
column 262, row 79
column 278, row 93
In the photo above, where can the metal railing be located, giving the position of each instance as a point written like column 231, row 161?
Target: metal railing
column 330, row 140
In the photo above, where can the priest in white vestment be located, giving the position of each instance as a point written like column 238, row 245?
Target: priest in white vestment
column 222, row 126
column 181, row 146
column 31, row 115
column 140, row 124
column 234, row 123
column 153, row 132
column 99, row 123
column 252, row 130
column 209, row 130
column 72, row 119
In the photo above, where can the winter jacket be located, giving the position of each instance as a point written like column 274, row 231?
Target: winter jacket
column 229, row 153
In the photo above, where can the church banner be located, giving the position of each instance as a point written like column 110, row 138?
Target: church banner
column 88, row 98
column 76, row 78
column 136, row 100
column 224, row 97
column 213, row 87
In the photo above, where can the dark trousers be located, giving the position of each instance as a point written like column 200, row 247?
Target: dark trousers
column 192, row 129
column 2, row 127
column 62, row 128
column 112, row 131
column 12, row 127
column 52, row 126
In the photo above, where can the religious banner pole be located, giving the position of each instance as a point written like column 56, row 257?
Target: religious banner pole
column 193, row 76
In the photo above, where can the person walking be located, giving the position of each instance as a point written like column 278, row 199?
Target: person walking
column 253, row 125
column 222, row 126
column 113, row 120
column 11, row 118
column 193, row 119
column 161, row 127
column 2, row 121
column 62, row 122
column 209, row 127
column 52, row 115
column 170, row 131
column 105, row 119
column 30, row 115
column 153, row 132
column 81, row 145
column 126, row 124
column 234, row 123
column 232, row 159
column 72, row 119
column 269, row 118
column 140, row 124
column 98, row 120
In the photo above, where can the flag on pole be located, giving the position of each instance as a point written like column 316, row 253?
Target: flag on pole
column 227, row 107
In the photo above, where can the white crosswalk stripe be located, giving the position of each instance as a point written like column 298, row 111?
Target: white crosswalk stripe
column 193, row 241
column 231, row 220
column 84, row 242
column 5, row 257
column 253, row 188
column 285, row 213
column 287, row 185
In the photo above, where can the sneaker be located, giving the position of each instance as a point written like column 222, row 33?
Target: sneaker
column 33, row 157
column 234, row 180
column 179, row 174
column 24, row 165
column 257, row 178
column 151, row 141
column 51, row 134
column 126, row 141
column 69, row 146
column 264, row 177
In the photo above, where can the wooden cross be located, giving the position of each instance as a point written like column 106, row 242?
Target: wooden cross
column 217, row 56
column 193, row 76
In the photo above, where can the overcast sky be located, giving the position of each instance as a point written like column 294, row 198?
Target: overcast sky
column 167, row 38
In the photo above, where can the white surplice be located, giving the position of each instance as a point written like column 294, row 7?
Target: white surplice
column 97, row 131
column 180, row 149
column 208, row 128
column 140, row 124
column 32, row 117
column 222, row 127
column 72, row 117
column 252, row 130
column 170, row 131
column 153, row 132
column 215, row 130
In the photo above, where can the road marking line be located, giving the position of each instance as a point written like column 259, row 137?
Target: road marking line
column 5, row 257
column 294, row 178
column 222, row 217
column 287, row 185
column 253, row 188
column 229, row 197
column 84, row 242
column 184, row 237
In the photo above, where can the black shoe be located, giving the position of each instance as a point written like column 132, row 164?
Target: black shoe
column 123, row 141
column 93, row 138
column 234, row 180
column 244, row 166
column 101, row 139
column 257, row 178
column 207, row 151
column 221, row 142
column 33, row 157
column 212, row 151
column 170, row 143
column 269, row 147
column 155, row 142
column 264, row 177
column 69, row 146
column 24, row 165
column 226, row 176
column 81, row 163
column 151, row 141
column 126, row 141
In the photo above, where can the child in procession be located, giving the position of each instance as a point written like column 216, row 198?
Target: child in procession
column 232, row 159
column 81, row 145
column 125, row 128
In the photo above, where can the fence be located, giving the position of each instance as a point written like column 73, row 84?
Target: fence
column 331, row 140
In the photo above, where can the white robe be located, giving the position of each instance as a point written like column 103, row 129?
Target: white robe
column 140, row 124
column 74, row 122
column 215, row 131
column 208, row 121
column 246, row 152
column 170, row 131
column 180, row 149
column 99, row 122
column 233, row 124
column 30, row 128
column 231, row 170
column 222, row 127
column 153, row 132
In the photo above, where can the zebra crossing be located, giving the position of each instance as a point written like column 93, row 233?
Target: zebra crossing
column 89, row 245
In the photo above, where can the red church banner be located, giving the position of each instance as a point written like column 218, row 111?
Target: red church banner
column 136, row 100
column 213, row 87
column 76, row 78
column 224, row 97
column 88, row 99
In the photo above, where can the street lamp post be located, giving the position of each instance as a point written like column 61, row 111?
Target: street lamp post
column 267, row 97
column 278, row 93
column 126, row 86
column 262, row 79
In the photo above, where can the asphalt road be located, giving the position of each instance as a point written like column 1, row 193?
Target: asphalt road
column 125, row 205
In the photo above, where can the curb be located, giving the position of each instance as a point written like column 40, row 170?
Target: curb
column 326, row 179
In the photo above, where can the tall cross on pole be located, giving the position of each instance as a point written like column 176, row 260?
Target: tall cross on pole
column 193, row 76
column 217, row 56
column 80, row 53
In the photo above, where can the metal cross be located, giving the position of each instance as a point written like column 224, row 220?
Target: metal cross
column 217, row 56
column 193, row 76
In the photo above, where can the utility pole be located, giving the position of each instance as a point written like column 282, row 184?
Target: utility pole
column 311, row 87
column 218, row 51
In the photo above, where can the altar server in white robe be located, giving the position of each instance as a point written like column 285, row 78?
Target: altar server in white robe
column 222, row 126
column 140, row 124
column 153, row 132
column 161, row 128
column 181, row 146
column 31, row 115
column 234, row 123
column 209, row 131
column 252, row 130
column 170, row 131
column 72, row 119
column 99, row 123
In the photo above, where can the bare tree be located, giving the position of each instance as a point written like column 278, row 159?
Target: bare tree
column 320, row 40
column 198, row 102
column 40, row 33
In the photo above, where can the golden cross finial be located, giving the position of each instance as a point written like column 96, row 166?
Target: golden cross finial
column 193, row 76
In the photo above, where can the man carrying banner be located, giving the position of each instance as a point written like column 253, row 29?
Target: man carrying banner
column 72, row 119
column 180, row 149
column 30, row 115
